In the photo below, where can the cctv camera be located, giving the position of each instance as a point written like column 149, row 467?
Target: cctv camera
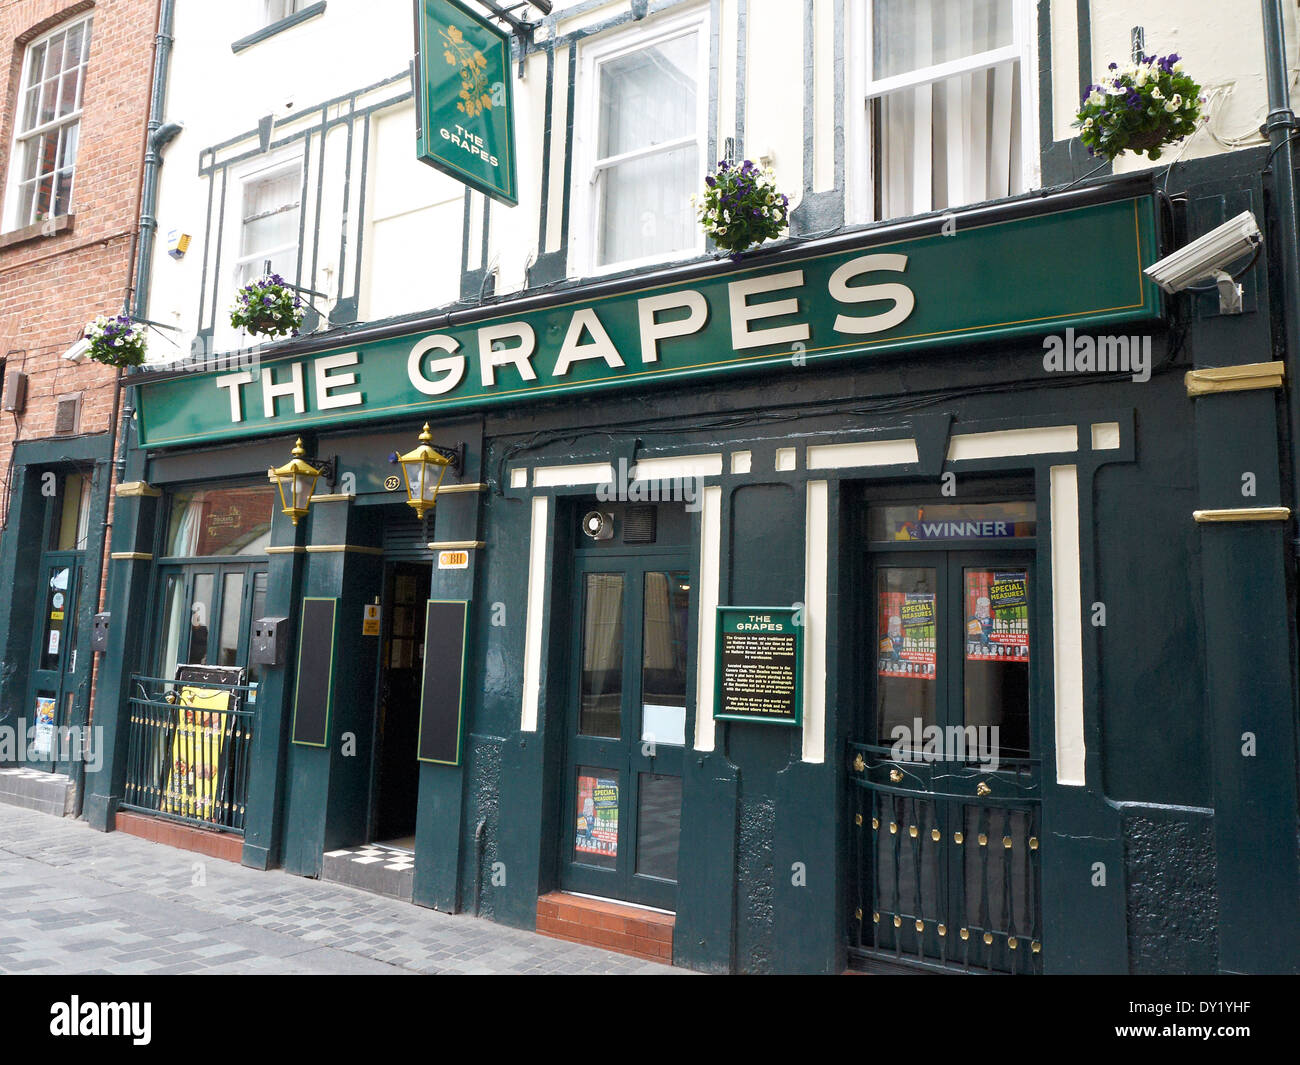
column 1207, row 256
column 78, row 351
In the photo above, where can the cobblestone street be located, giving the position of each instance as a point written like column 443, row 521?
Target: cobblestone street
column 73, row 900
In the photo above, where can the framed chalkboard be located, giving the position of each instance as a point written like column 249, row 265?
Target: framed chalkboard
column 442, row 695
column 759, row 665
column 315, row 691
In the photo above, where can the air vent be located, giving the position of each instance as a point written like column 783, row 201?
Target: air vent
column 67, row 415
column 639, row 525
column 404, row 534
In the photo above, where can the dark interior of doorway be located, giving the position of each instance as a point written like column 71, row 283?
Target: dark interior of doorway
column 397, row 772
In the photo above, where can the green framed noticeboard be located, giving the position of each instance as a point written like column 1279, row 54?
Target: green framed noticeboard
column 314, row 693
column 465, row 98
column 759, row 665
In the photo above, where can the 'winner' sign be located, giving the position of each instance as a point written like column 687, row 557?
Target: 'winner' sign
column 464, row 97
column 760, row 665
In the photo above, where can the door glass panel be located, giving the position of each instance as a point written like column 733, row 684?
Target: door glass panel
column 596, row 841
column 232, row 605
column 658, row 825
column 906, row 656
column 600, row 710
column 58, row 595
column 996, row 657
column 259, row 610
column 663, row 658
column 74, row 514
column 200, row 616
column 952, row 521
column 173, row 604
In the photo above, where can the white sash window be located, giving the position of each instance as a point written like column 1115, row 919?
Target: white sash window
column 946, row 89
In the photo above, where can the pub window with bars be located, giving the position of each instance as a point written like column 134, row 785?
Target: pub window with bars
column 946, row 102
column 647, row 156
column 47, row 125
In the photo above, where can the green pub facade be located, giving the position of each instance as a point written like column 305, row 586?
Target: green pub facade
column 885, row 598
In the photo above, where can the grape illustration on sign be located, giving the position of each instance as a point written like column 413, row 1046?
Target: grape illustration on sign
column 465, row 98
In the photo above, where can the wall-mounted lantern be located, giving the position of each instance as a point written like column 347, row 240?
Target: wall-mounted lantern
column 297, row 481
column 425, row 467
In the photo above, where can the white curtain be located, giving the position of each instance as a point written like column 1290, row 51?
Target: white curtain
column 951, row 142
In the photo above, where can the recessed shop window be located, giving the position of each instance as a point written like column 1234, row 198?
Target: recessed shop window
column 219, row 521
column 641, row 142
column 47, row 125
column 945, row 84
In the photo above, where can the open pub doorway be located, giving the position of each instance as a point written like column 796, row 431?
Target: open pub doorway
column 396, row 775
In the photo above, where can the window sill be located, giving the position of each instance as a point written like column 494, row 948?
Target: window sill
column 51, row 227
column 277, row 27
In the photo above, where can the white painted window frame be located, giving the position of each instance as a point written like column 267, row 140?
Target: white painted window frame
column 274, row 11
column 585, row 193
column 862, row 89
column 14, row 177
column 259, row 170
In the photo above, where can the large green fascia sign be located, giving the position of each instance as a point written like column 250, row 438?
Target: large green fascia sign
column 1080, row 267
column 465, row 99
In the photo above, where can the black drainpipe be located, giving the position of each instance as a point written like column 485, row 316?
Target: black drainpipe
column 1281, row 126
column 156, row 137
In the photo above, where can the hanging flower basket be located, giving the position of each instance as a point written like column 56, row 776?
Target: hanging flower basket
column 741, row 207
column 1143, row 108
column 268, row 307
column 115, row 341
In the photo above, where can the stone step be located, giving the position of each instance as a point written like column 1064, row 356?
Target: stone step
column 48, row 793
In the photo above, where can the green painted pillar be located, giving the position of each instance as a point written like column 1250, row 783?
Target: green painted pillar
column 269, row 755
column 135, row 516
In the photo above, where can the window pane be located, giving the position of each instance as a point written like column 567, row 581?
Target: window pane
column 220, row 521
column 54, row 56
column 906, row 654
column 950, row 143
column 173, row 601
column 648, row 97
column 663, row 658
column 232, row 606
column 200, row 620
column 74, row 508
column 952, row 521
column 35, row 64
column 646, row 206
column 997, row 659
column 596, row 839
column 77, row 45
column 31, row 105
column 911, row 34
column 658, row 825
column 601, row 707
column 270, row 231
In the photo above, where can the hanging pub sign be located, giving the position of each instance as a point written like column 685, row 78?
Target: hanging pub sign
column 760, row 665
column 464, row 99
column 1012, row 278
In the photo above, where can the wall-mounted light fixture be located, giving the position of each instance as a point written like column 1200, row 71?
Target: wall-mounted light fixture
column 297, row 479
column 425, row 467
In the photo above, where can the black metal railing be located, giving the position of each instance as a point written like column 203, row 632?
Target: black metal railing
column 947, row 856
column 188, row 751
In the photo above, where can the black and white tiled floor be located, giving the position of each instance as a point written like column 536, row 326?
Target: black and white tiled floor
column 377, row 854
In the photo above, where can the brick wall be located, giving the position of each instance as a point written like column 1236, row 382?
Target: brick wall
column 52, row 284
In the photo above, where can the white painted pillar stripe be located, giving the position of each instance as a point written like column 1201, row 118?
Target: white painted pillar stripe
column 1067, row 625
column 534, row 639
column 710, row 573
column 816, row 553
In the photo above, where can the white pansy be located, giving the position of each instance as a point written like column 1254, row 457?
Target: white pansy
column 1178, row 67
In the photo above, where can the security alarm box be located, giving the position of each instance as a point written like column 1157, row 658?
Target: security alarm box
column 99, row 633
column 15, row 393
column 269, row 638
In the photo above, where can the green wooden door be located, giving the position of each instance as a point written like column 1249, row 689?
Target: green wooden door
column 626, row 729
column 56, row 672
